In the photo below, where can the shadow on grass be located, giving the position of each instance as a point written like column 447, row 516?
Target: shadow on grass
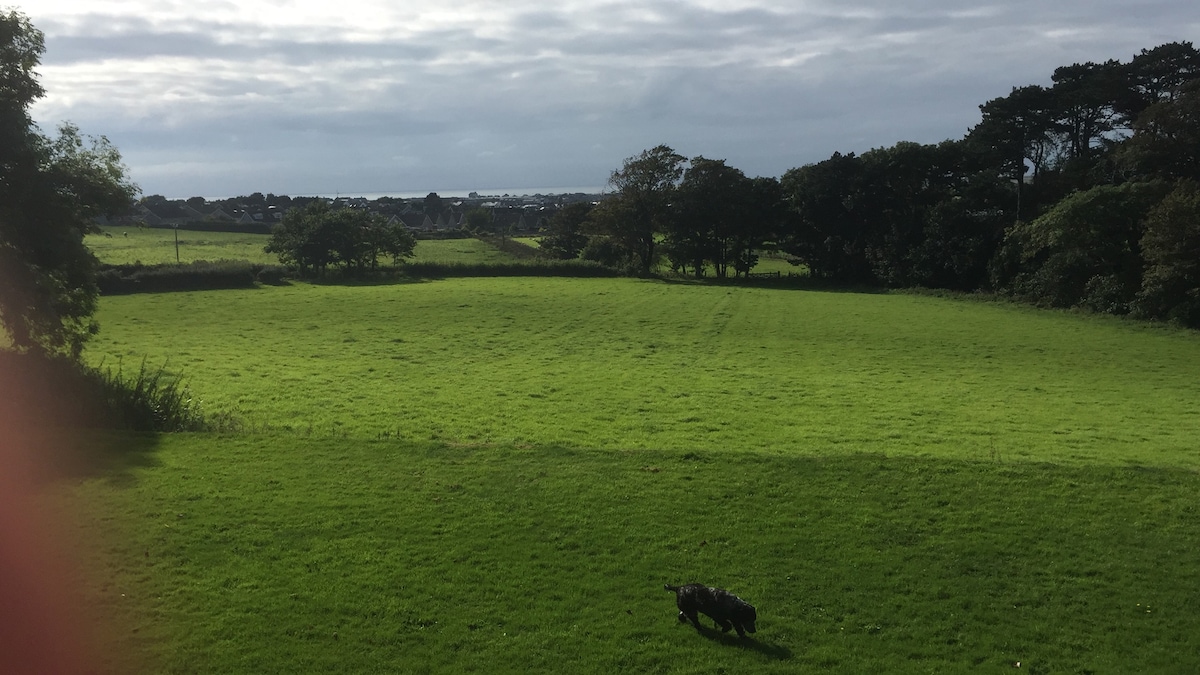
column 112, row 456
column 76, row 454
column 55, row 424
column 750, row 642
column 387, row 278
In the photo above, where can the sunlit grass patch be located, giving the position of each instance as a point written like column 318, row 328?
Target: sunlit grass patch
column 621, row 364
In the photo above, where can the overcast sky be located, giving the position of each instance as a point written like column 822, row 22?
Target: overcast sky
column 220, row 98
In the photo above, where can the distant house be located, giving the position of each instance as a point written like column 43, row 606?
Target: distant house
column 415, row 221
column 165, row 214
column 450, row 220
column 218, row 215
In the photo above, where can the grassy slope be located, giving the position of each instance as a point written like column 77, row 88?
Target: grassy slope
column 632, row 364
column 870, row 470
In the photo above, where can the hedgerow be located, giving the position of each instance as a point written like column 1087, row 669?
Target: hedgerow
column 201, row 275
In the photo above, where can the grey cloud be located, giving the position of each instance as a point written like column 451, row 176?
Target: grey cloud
column 554, row 95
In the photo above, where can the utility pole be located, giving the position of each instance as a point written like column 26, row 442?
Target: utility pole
column 176, row 228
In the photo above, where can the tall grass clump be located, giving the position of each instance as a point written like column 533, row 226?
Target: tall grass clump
column 149, row 399
column 70, row 394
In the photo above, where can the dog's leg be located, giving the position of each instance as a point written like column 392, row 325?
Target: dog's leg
column 693, row 618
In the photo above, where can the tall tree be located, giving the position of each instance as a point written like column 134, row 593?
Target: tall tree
column 1158, row 75
column 1085, row 97
column 707, row 212
column 1015, row 135
column 565, row 237
column 902, row 188
column 640, row 206
column 1166, row 138
column 715, row 221
column 830, row 224
column 317, row 236
column 51, row 189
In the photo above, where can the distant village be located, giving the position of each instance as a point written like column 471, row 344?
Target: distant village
column 431, row 215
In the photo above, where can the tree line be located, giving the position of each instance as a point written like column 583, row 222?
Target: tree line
column 1084, row 193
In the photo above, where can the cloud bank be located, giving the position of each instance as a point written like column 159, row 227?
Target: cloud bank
column 218, row 98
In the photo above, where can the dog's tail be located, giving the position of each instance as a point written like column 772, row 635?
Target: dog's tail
column 669, row 587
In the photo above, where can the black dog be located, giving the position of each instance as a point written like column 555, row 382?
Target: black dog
column 727, row 609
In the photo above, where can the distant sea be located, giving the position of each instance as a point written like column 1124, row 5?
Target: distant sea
column 489, row 192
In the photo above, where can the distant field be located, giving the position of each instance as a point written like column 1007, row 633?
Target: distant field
column 150, row 246
column 123, row 246
column 635, row 364
column 153, row 246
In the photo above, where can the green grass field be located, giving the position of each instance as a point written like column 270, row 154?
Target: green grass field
column 498, row 475
column 623, row 364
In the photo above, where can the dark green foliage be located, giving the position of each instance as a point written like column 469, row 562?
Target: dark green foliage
column 720, row 218
column 830, row 231
column 640, row 208
column 1166, row 140
column 196, row 276
column 908, row 215
column 565, row 237
column 317, row 236
column 50, row 190
column 1171, row 247
column 443, row 235
column 920, row 227
column 1158, row 75
column 1015, row 133
column 1044, row 199
column 1086, row 250
column 606, row 251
